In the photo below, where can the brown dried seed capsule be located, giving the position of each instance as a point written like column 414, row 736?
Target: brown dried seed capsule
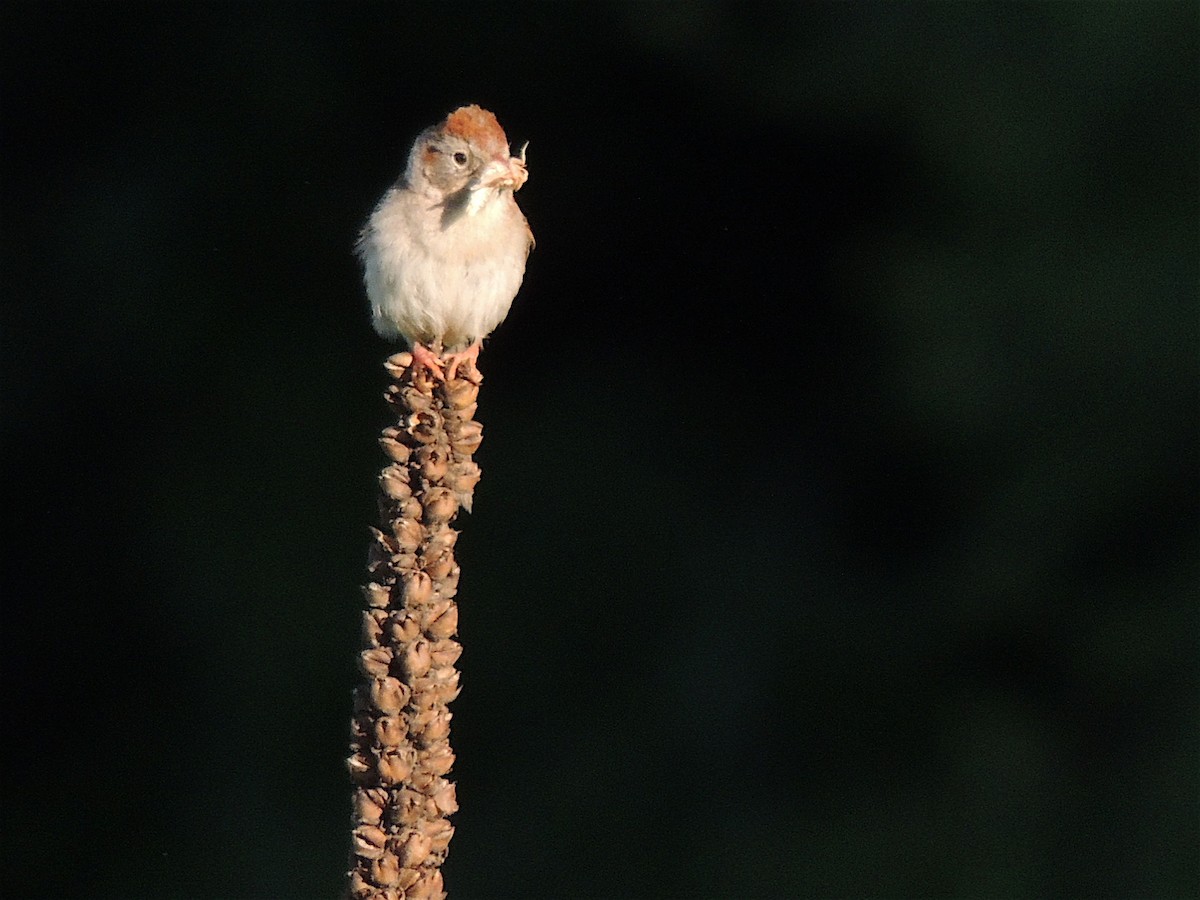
column 433, row 462
column 406, row 808
column 439, row 541
column 369, row 841
column 397, row 364
column 394, row 767
column 369, row 804
column 372, row 626
column 424, row 427
column 445, row 796
column 401, row 564
column 448, row 585
column 442, row 620
column 409, row 509
column 437, row 729
column 464, row 476
column 391, row 731
column 438, row 567
column 407, row 534
column 377, row 594
column 429, row 886
column 412, row 848
column 418, row 589
column 460, row 393
column 360, row 767
column 445, row 653
column 403, row 628
column 391, row 442
column 466, row 438
column 393, row 481
column 359, row 888
column 388, row 695
column 417, row 658
column 438, row 759
column 416, row 400
column 408, row 877
column 385, row 871
column 440, row 506
column 375, row 662
column 439, row 832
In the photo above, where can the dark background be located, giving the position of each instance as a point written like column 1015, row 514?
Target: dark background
column 838, row 528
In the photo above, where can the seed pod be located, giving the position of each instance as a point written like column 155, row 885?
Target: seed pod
column 377, row 595
column 406, row 808
column 372, row 626
column 375, row 662
column 442, row 620
column 440, row 506
column 385, row 871
column 460, row 393
column 393, row 481
column 445, row 796
column 369, row 804
column 388, row 695
column 445, row 653
column 467, row 437
column 412, row 848
column 433, row 462
column 418, row 589
column 403, row 628
column 391, row 731
column 391, row 441
column 394, row 767
column 369, row 841
column 397, row 364
column 417, row 658
column 407, row 535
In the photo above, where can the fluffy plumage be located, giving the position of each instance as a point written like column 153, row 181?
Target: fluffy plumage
column 444, row 251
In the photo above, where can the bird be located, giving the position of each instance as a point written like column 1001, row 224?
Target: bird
column 444, row 250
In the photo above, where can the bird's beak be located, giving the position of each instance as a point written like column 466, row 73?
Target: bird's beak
column 504, row 172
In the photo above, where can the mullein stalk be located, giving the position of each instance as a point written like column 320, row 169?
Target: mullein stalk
column 400, row 732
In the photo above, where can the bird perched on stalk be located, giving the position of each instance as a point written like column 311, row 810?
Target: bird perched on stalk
column 444, row 251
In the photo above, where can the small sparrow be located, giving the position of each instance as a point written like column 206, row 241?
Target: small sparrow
column 444, row 250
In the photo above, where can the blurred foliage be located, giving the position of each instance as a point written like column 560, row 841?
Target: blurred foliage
column 838, row 529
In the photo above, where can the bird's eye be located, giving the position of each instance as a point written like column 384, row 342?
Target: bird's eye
column 460, row 158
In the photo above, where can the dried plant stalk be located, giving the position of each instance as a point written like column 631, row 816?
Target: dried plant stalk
column 400, row 733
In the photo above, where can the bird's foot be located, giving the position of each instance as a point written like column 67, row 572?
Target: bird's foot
column 423, row 356
column 453, row 360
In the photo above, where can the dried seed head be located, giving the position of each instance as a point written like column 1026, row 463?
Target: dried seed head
column 445, row 653
column 417, row 658
column 445, row 796
column 437, row 728
column 406, row 808
column 397, row 364
column 385, row 871
column 369, row 804
column 395, row 766
column 439, row 832
column 440, row 506
column 360, row 767
column 403, row 628
column 391, row 442
column 438, row 759
column 442, row 620
column 434, row 462
column 369, row 841
column 377, row 595
column 388, row 695
column 372, row 626
column 424, row 426
column 391, row 731
column 412, row 848
column 429, row 886
column 375, row 662
column 466, row 437
column 393, row 481
column 460, row 393
column 439, row 566
column 408, row 535
column 418, row 589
